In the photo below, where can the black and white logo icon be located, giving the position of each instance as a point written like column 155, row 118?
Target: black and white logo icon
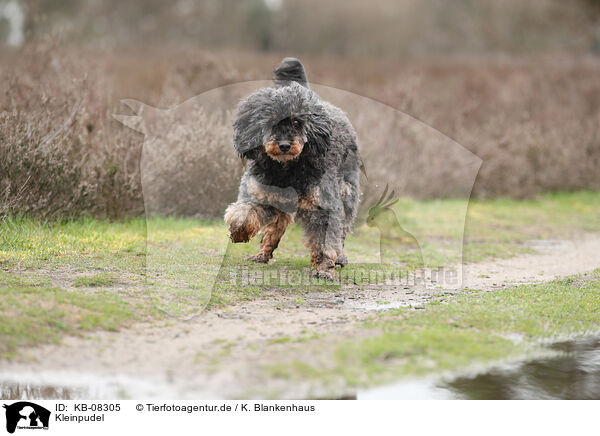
column 26, row 415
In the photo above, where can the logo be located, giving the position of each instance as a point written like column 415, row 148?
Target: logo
column 26, row 415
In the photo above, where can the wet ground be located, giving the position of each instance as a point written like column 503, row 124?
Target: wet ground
column 51, row 385
column 573, row 373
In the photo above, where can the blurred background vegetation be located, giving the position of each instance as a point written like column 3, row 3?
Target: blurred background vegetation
column 390, row 28
column 516, row 82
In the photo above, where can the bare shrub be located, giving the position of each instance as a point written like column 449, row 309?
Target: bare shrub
column 57, row 157
column 533, row 121
column 188, row 164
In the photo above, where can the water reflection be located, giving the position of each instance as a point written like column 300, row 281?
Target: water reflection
column 573, row 374
column 15, row 391
column 29, row 385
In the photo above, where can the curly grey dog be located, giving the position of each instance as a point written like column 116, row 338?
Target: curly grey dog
column 302, row 163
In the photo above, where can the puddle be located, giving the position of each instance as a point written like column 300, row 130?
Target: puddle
column 377, row 307
column 61, row 386
column 408, row 299
column 16, row 391
column 573, row 374
column 545, row 245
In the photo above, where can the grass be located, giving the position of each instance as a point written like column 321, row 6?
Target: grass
column 33, row 312
column 491, row 228
column 472, row 329
column 32, row 244
column 95, row 281
column 180, row 266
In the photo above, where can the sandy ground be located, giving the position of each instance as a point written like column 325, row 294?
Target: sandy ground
column 222, row 353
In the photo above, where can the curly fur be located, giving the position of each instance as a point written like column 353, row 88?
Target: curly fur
column 319, row 187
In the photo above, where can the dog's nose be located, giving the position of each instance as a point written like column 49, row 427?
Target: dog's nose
column 284, row 146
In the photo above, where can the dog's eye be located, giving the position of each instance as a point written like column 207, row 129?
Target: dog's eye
column 296, row 123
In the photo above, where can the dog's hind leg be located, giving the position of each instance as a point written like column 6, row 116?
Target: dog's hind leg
column 341, row 260
column 323, row 239
column 272, row 234
column 349, row 193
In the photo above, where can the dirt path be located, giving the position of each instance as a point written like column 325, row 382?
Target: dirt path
column 222, row 353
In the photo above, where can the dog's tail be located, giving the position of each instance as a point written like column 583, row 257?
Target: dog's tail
column 290, row 70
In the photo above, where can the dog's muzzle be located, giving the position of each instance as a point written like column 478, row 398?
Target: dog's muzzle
column 285, row 146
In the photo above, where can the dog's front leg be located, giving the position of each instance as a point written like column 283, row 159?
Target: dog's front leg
column 245, row 220
column 261, row 208
column 272, row 234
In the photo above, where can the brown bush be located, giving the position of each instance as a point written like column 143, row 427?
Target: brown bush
column 188, row 164
column 533, row 121
column 58, row 156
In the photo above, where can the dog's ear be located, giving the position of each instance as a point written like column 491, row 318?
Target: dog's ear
column 249, row 154
column 318, row 131
column 250, row 122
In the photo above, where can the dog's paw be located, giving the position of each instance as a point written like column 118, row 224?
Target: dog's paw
column 239, row 234
column 260, row 258
column 341, row 260
column 243, row 222
column 327, row 274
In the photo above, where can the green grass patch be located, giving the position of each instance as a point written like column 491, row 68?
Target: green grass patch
column 493, row 228
column 33, row 312
column 100, row 280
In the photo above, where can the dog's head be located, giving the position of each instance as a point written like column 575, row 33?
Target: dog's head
column 284, row 123
column 287, row 139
